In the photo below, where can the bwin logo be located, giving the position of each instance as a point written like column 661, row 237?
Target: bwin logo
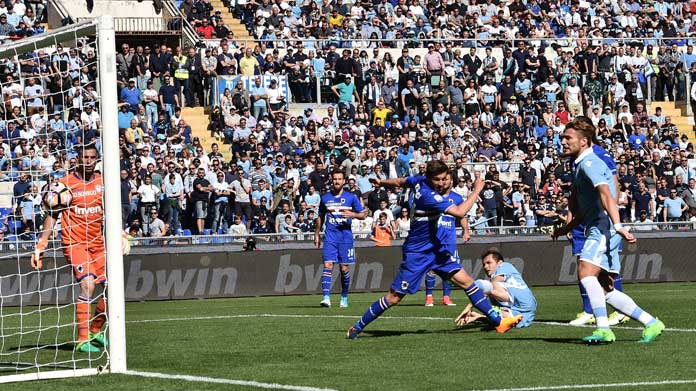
column 404, row 285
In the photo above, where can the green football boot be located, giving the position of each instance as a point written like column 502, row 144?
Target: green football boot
column 599, row 337
column 86, row 347
column 651, row 332
column 99, row 338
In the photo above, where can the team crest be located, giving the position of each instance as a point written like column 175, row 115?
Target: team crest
column 99, row 188
column 438, row 198
column 404, row 285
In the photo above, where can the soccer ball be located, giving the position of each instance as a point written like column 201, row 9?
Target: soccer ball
column 56, row 196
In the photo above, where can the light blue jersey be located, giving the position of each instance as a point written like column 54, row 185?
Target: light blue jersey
column 590, row 172
column 523, row 301
column 579, row 231
column 601, row 246
column 338, row 228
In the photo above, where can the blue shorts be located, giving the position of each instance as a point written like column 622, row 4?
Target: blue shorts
column 415, row 265
column 602, row 249
column 343, row 253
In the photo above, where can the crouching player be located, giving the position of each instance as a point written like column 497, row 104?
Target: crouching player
column 505, row 288
column 82, row 242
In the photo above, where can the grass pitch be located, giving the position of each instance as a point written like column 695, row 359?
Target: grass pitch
column 291, row 341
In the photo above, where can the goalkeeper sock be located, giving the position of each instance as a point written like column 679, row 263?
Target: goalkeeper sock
column 586, row 307
column 446, row 288
column 99, row 316
column 82, row 313
column 429, row 284
column 326, row 281
column 373, row 312
column 345, row 282
column 481, row 302
column 624, row 304
column 618, row 283
column 595, row 294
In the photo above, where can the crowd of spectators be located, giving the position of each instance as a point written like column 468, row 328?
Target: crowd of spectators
column 498, row 118
column 21, row 18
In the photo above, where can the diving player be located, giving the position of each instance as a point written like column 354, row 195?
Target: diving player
column 506, row 288
column 337, row 209
column 594, row 201
column 424, row 250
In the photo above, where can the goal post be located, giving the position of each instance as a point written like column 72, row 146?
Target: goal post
column 112, row 194
column 38, row 319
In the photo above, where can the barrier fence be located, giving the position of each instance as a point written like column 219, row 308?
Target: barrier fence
column 296, row 268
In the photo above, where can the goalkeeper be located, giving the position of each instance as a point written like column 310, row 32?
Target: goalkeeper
column 82, row 242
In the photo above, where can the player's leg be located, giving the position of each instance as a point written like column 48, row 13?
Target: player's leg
column 346, row 257
column 326, row 275
column 429, row 287
column 592, row 258
column 345, row 284
column 446, row 292
column 95, row 327
column 407, row 281
column 330, row 255
column 584, row 317
column 624, row 303
column 79, row 258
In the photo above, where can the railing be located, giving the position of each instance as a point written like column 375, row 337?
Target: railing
column 188, row 33
column 142, row 25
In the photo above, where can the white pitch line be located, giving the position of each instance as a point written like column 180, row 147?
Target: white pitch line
column 608, row 385
column 220, row 317
column 204, row 379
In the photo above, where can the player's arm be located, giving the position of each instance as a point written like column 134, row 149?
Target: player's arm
column 609, row 204
column 464, row 222
column 460, row 211
column 317, row 231
column 396, row 182
column 48, row 225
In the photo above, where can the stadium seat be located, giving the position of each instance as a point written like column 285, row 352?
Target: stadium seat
column 186, row 232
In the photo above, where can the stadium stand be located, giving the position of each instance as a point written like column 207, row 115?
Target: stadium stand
column 377, row 89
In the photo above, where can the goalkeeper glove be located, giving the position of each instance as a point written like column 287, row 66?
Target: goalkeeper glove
column 36, row 261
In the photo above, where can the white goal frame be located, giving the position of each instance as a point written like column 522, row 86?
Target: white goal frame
column 103, row 28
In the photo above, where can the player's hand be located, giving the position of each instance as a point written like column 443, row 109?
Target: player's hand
column 627, row 235
column 376, row 181
column 36, row 259
column 349, row 214
column 461, row 319
column 466, row 235
column 478, row 185
column 317, row 241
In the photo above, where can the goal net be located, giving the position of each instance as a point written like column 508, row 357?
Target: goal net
column 59, row 96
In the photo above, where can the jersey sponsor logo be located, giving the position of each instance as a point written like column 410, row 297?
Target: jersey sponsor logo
column 88, row 193
column 87, row 211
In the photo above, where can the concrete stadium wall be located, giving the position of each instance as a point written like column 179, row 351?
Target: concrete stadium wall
column 212, row 272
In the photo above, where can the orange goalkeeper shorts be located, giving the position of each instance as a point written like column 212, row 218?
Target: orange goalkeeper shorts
column 86, row 260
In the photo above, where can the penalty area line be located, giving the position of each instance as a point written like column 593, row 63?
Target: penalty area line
column 607, row 385
column 204, row 379
column 439, row 318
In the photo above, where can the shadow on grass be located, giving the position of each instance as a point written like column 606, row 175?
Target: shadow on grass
column 552, row 320
column 561, row 340
column 66, row 346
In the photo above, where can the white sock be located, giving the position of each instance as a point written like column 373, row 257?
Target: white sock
column 595, row 293
column 624, row 304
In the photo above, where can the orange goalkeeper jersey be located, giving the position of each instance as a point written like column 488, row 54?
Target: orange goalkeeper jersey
column 82, row 221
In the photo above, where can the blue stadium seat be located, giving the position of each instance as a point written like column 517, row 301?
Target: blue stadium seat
column 4, row 212
column 15, row 226
column 186, row 232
